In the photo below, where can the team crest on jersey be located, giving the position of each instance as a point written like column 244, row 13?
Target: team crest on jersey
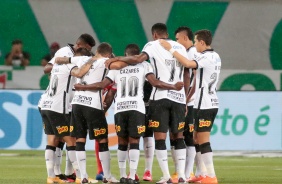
column 181, row 125
column 62, row 129
column 204, row 123
column 117, row 128
column 141, row 129
column 153, row 124
column 191, row 128
column 71, row 128
column 98, row 132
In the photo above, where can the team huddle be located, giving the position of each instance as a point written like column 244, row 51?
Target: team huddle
column 168, row 86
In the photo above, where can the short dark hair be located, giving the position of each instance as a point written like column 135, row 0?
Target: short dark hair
column 159, row 28
column 105, row 49
column 83, row 51
column 17, row 41
column 204, row 35
column 187, row 30
column 132, row 49
column 87, row 38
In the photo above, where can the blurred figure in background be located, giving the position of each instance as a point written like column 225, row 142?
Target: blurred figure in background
column 17, row 57
column 54, row 47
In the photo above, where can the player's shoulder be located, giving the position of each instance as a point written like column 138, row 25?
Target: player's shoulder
column 176, row 45
column 148, row 44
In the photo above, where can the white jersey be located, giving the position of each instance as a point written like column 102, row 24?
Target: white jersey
column 42, row 98
column 130, row 81
column 207, row 75
column 66, row 51
column 92, row 98
column 192, row 54
column 166, row 69
column 60, row 89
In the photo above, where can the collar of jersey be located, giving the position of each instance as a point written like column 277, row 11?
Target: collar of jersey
column 208, row 50
column 71, row 47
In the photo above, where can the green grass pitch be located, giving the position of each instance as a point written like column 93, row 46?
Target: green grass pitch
column 28, row 167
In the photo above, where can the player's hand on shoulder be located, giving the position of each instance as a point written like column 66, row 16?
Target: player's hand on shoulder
column 178, row 86
column 165, row 44
column 78, row 87
column 109, row 61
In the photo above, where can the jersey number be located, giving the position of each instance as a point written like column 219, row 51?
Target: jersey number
column 53, row 86
column 213, row 79
column 132, row 86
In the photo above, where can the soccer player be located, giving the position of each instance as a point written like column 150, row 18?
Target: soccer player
column 55, row 114
column 88, row 114
column 184, row 36
column 206, row 100
column 84, row 41
column 167, row 107
column 130, row 109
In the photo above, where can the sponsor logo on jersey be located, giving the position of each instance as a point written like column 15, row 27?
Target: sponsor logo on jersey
column 181, row 125
column 191, row 128
column 204, row 123
column 117, row 128
column 62, row 129
column 82, row 99
column 98, row 132
column 176, row 96
column 71, row 128
column 154, row 124
column 141, row 129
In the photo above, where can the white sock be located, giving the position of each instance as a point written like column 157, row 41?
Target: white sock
column 190, row 157
column 122, row 157
column 134, row 155
column 149, row 148
column 49, row 159
column 163, row 163
column 58, row 161
column 208, row 161
column 74, row 164
column 69, row 168
column 105, row 159
column 173, row 158
column 180, row 159
column 81, row 159
column 200, row 166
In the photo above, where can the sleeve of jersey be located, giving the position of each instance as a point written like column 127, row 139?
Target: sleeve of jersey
column 111, row 75
column 201, row 63
column 148, row 49
column 148, row 68
column 71, row 66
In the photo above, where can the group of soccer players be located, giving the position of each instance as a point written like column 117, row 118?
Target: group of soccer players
column 183, row 98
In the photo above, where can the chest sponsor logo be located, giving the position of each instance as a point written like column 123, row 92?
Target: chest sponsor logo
column 62, row 129
column 141, row 129
column 154, row 124
column 204, row 123
column 98, row 132
column 181, row 125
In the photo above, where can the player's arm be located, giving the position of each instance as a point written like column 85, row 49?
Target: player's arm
column 131, row 60
column 80, row 72
column 48, row 68
column 109, row 99
column 117, row 65
column 63, row 60
column 182, row 59
column 160, row 84
column 186, row 78
column 94, row 86
column 192, row 90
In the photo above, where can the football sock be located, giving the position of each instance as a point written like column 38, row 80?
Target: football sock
column 49, row 159
column 149, row 148
column 190, row 157
column 207, row 156
column 134, row 154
